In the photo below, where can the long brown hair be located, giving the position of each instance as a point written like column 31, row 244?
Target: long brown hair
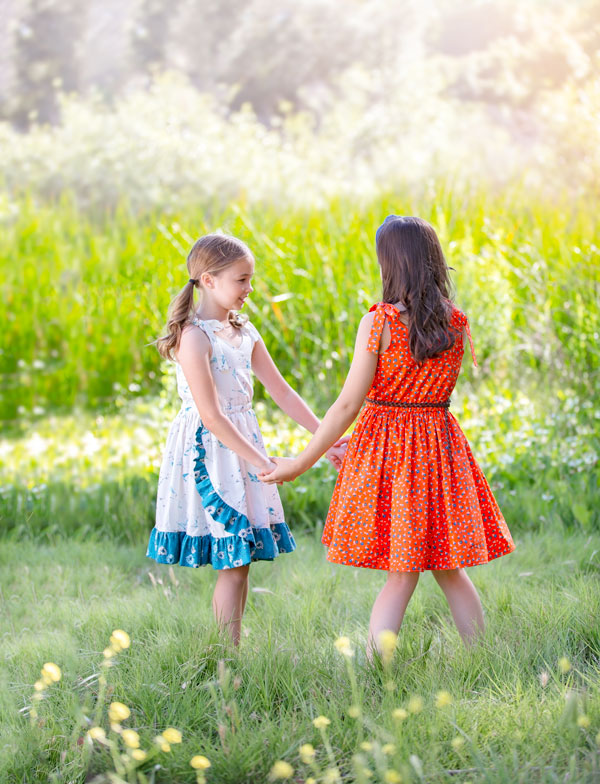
column 414, row 272
column 212, row 253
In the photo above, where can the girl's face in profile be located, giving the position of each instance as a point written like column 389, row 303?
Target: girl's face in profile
column 231, row 287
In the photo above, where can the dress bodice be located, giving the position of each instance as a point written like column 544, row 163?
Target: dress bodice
column 231, row 366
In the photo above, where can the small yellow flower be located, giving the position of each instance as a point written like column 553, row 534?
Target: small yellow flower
column 118, row 712
column 109, row 652
column 307, row 753
column 354, row 711
column 415, row 705
column 388, row 748
column 392, row 777
column 139, row 755
column 131, row 739
column 33, row 713
column 281, row 770
column 51, row 673
column 387, row 640
column 199, row 762
column 583, row 721
column 97, row 733
column 310, row 780
column 442, row 699
column 458, row 743
column 162, row 743
column 399, row 713
column 171, row 735
column 564, row 665
column 366, row 745
column 321, row 722
column 343, row 646
column 119, row 640
column 39, row 685
column 331, row 776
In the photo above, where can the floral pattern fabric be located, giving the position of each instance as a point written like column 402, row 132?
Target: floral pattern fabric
column 410, row 495
column 211, row 508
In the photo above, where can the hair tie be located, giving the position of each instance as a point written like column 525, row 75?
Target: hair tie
column 194, row 281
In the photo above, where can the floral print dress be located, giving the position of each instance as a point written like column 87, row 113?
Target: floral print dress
column 410, row 495
column 211, row 508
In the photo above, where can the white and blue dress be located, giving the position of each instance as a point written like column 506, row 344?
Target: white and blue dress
column 211, row 507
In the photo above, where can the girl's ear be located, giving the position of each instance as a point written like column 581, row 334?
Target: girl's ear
column 207, row 280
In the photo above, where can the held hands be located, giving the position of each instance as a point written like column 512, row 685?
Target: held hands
column 288, row 468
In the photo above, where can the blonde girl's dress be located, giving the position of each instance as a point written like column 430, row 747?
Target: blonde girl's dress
column 211, row 508
column 410, row 495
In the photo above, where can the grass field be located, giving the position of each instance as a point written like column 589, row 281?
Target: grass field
column 522, row 719
column 85, row 407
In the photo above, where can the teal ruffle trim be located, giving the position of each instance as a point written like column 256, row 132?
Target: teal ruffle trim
column 172, row 547
column 244, row 545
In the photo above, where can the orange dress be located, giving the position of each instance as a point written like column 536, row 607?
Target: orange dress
column 410, row 496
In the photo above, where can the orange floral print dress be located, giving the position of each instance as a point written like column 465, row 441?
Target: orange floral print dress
column 410, row 496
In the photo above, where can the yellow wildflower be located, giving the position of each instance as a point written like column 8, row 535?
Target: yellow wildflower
column 97, row 733
column 162, row 743
column 399, row 713
column 392, row 777
column 39, row 685
column 171, row 735
column 387, row 640
column 199, row 762
column 51, row 673
column 354, row 711
column 442, row 699
column 321, row 722
column 415, row 705
column 458, row 743
column 343, row 646
column 583, row 721
column 331, row 776
column 564, row 665
column 310, row 780
column 366, row 745
column 139, row 755
column 131, row 739
column 388, row 748
column 281, row 770
column 109, row 652
column 307, row 753
column 119, row 640
column 118, row 712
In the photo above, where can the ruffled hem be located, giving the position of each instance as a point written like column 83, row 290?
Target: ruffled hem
column 228, row 552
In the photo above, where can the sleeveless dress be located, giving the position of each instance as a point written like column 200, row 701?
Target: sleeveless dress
column 211, row 508
column 410, row 495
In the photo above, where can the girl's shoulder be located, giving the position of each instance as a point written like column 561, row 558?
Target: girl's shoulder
column 249, row 328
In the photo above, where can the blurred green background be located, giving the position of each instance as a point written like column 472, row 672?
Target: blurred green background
column 129, row 129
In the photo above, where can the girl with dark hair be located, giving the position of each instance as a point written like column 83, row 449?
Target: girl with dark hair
column 210, row 507
column 410, row 496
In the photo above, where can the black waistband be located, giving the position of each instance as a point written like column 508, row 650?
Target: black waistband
column 398, row 404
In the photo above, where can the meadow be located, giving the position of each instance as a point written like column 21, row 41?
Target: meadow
column 85, row 407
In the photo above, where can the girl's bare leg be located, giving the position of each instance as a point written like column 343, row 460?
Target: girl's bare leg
column 390, row 605
column 464, row 602
column 229, row 598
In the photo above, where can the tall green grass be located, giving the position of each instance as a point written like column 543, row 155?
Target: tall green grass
column 85, row 295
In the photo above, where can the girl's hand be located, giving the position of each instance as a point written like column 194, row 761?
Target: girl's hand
column 335, row 455
column 286, row 471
